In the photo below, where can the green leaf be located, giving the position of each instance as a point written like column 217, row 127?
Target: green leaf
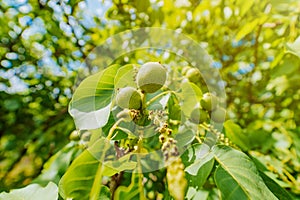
column 58, row 164
column 278, row 191
column 174, row 108
column 235, row 133
column 193, row 194
column 296, row 142
column 78, row 181
column 131, row 192
column 272, row 183
column 125, row 76
column 202, row 194
column 203, row 166
column 200, row 171
column 289, row 65
column 199, row 162
column 294, row 47
column 246, row 29
column 184, row 136
column 32, row 192
column 90, row 105
column 105, row 193
column 194, row 153
column 249, row 27
column 141, row 6
column 190, row 95
column 244, row 6
column 113, row 167
column 158, row 101
column 11, row 104
column 237, row 176
column 279, row 84
column 73, row 3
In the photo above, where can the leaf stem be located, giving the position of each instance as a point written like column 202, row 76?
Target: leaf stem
column 158, row 96
column 128, row 132
column 96, row 188
column 140, row 172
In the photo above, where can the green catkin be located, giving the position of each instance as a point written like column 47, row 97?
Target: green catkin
column 175, row 169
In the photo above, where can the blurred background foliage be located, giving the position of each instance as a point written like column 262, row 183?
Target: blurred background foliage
column 43, row 44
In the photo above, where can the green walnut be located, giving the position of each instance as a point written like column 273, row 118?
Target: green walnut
column 193, row 75
column 218, row 115
column 198, row 116
column 185, row 69
column 129, row 97
column 209, row 101
column 75, row 136
column 151, row 77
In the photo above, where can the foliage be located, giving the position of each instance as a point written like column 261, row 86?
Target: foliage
column 254, row 45
column 33, row 191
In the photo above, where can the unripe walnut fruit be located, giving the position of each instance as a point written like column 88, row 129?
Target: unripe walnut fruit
column 198, row 116
column 151, row 77
column 185, row 70
column 129, row 97
column 218, row 115
column 209, row 101
column 75, row 136
column 193, row 75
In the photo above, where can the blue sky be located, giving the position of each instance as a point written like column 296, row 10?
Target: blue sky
column 89, row 9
